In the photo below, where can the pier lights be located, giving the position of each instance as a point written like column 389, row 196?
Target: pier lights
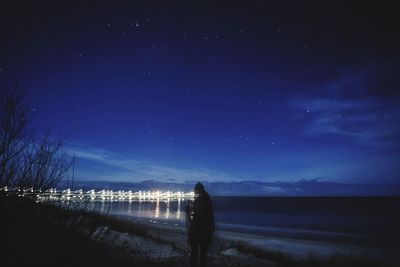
column 91, row 192
column 67, row 191
column 121, row 195
column 103, row 195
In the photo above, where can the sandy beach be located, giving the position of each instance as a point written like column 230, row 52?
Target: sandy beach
column 169, row 241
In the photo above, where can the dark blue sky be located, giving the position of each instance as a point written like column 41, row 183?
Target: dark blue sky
column 234, row 91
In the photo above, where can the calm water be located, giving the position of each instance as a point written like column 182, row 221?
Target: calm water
column 291, row 216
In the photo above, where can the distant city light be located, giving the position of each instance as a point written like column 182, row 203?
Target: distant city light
column 101, row 195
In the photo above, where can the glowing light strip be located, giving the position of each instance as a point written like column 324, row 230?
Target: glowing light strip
column 101, row 195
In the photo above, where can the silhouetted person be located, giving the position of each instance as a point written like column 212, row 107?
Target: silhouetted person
column 200, row 220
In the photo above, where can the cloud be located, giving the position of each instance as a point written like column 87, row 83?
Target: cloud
column 367, row 122
column 351, row 107
column 132, row 169
column 330, row 105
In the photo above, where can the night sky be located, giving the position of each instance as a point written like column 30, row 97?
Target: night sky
column 217, row 92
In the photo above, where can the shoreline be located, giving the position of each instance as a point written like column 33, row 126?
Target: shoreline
column 283, row 232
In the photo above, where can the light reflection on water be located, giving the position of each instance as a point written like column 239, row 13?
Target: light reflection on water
column 157, row 210
column 166, row 210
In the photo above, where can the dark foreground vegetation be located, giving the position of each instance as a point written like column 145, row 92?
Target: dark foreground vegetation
column 35, row 234
column 39, row 234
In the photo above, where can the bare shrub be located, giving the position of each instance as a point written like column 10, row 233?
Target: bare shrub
column 27, row 159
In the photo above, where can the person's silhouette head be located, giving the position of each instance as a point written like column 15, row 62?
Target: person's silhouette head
column 199, row 189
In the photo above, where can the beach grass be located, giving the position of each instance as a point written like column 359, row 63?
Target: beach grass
column 41, row 234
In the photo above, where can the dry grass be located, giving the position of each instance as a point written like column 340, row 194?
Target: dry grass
column 37, row 234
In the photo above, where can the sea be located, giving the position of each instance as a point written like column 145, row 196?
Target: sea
column 345, row 219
